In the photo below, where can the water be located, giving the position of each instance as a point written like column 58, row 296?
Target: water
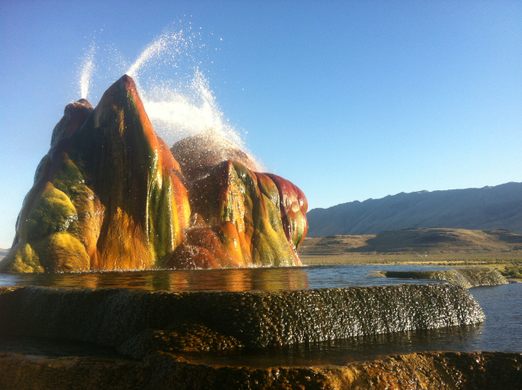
column 242, row 279
column 340, row 352
column 158, row 47
column 502, row 330
column 190, row 110
column 176, row 94
column 86, row 72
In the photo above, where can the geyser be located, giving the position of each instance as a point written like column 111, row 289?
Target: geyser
column 110, row 195
column 194, row 112
column 156, row 48
column 86, row 72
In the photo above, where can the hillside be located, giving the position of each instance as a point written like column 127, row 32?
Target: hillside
column 3, row 252
column 488, row 208
column 421, row 240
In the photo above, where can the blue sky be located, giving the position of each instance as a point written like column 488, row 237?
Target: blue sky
column 349, row 100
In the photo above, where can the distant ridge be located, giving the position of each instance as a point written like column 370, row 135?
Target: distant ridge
column 487, row 208
column 414, row 241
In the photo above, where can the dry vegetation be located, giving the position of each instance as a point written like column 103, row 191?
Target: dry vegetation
column 500, row 249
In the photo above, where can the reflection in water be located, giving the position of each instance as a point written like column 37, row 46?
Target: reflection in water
column 245, row 279
column 340, row 352
column 237, row 279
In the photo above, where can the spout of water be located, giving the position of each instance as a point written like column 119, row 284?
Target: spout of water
column 86, row 72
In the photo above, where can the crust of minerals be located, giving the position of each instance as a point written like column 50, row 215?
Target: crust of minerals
column 463, row 277
column 114, row 317
column 160, row 340
column 243, row 218
column 110, row 195
column 429, row 370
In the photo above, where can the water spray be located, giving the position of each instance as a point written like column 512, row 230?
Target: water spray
column 176, row 110
column 159, row 46
column 86, row 72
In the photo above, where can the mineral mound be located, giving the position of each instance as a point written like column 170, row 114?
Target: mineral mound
column 111, row 195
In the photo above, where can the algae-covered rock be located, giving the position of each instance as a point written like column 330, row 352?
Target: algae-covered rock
column 255, row 319
column 241, row 217
column 108, row 195
column 463, row 277
column 429, row 370
column 483, row 276
column 25, row 259
column 168, row 334
column 244, row 218
column 189, row 337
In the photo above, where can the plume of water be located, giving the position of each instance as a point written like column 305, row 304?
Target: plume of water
column 178, row 113
column 178, row 107
column 180, row 110
column 166, row 43
column 193, row 111
column 86, row 72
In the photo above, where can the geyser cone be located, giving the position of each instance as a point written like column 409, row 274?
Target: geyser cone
column 109, row 194
column 243, row 218
column 137, row 179
column 73, row 117
column 293, row 205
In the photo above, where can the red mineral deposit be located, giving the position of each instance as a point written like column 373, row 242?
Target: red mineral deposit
column 110, row 195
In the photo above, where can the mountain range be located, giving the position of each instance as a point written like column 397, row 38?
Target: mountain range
column 416, row 240
column 487, row 208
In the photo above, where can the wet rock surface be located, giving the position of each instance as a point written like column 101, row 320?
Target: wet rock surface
column 187, row 338
column 242, row 218
column 150, row 340
column 463, row 277
column 112, row 317
column 438, row 370
column 110, row 195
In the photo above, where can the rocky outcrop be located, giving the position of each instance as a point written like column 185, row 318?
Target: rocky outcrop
column 243, row 218
column 110, row 195
column 158, row 340
column 463, row 277
column 435, row 370
column 251, row 320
